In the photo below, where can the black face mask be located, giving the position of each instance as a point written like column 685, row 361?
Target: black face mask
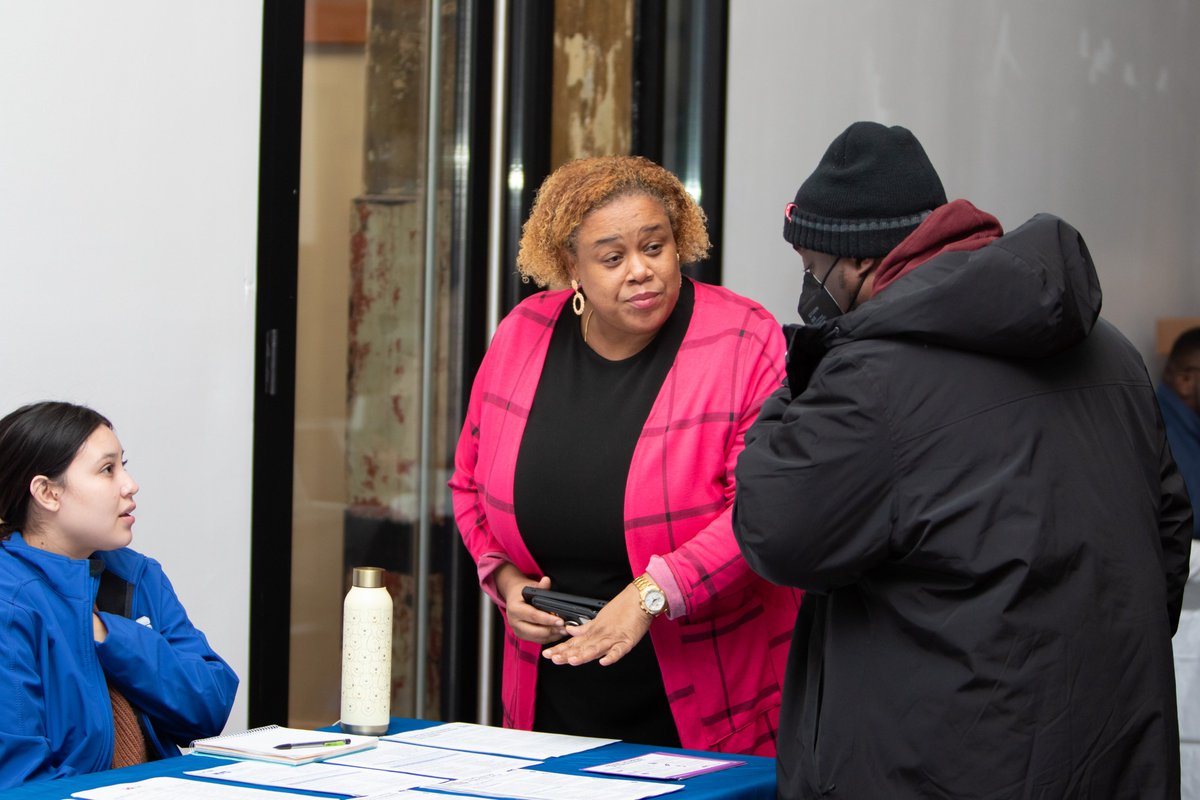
column 816, row 303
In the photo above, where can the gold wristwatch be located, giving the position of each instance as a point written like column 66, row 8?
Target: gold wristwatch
column 650, row 597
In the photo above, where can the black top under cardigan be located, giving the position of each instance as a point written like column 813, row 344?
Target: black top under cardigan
column 569, row 497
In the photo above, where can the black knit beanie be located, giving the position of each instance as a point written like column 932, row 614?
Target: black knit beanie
column 873, row 187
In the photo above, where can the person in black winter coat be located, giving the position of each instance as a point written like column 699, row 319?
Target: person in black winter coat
column 968, row 474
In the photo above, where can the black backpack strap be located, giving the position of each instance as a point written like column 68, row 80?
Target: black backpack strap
column 115, row 595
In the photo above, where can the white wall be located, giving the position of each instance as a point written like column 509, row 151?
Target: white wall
column 1087, row 109
column 128, row 202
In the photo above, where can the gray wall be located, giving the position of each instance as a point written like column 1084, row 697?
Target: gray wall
column 1082, row 108
column 128, row 202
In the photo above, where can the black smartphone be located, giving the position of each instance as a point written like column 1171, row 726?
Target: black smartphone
column 572, row 608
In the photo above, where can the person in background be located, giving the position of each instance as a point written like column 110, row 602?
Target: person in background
column 597, row 458
column 968, row 476
column 99, row 665
column 1179, row 399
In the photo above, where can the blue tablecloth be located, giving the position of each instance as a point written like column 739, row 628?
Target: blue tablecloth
column 754, row 780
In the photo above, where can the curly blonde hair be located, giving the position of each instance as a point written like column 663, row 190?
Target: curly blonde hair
column 581, row 186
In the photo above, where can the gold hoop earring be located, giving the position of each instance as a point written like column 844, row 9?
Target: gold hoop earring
column 578, row 301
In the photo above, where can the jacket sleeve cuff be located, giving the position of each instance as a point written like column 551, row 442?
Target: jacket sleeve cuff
column 487, row 566
column 661, row 574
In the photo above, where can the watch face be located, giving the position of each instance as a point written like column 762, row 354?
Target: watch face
column 655, row 601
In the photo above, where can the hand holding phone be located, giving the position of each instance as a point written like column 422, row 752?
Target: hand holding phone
column 572, row 608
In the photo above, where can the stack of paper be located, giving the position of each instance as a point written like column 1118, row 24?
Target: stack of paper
column 284, row 745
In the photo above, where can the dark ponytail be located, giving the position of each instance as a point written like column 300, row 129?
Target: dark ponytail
column 38, row 439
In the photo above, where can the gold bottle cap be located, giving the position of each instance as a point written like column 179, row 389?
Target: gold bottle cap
column 367, row 577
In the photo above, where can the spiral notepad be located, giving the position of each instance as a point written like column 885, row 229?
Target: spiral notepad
column 262, row 744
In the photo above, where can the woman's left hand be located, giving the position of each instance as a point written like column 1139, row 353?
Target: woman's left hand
column 99, row 629
column 618, row 626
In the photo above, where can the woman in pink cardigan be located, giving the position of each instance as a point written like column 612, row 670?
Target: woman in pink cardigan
column 597, row 459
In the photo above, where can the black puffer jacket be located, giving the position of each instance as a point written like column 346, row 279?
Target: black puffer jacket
column 974, row 486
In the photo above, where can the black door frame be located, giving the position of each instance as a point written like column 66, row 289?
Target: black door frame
column 275, row 376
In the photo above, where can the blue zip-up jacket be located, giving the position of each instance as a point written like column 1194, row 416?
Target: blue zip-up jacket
column 55, row 715
column 1183, row 433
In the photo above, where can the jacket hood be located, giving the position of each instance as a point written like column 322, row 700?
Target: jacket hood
column 1030, row 293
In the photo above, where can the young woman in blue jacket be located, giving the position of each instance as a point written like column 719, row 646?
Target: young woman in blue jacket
column 99, row 665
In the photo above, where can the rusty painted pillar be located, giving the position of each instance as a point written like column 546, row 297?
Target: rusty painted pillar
column 593, row 79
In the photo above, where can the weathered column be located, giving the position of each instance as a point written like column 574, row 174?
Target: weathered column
column 593, row 79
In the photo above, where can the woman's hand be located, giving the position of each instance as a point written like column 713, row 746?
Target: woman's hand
column 527, row 622
column 99, row 629
column 619, row 626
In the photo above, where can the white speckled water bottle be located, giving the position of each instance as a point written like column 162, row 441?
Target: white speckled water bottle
column 366, row 654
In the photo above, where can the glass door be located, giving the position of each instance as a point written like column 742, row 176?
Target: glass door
column 377, row 367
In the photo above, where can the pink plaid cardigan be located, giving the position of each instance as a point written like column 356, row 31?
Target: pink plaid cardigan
column 723, row 660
